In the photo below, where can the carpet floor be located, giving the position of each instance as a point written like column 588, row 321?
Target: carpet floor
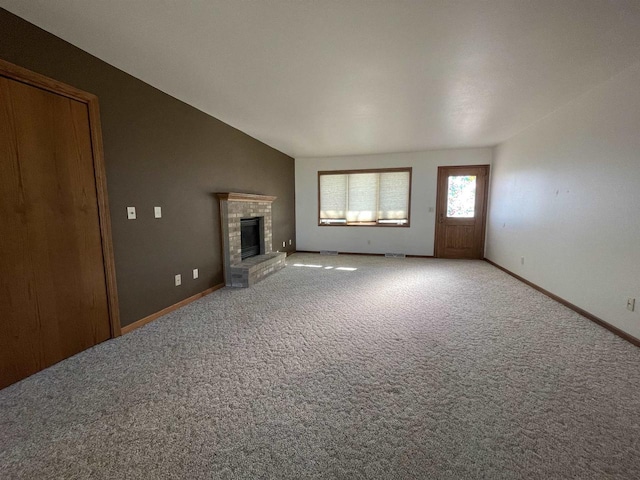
column 399, row 369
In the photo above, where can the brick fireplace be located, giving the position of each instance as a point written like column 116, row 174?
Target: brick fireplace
column 233, row 208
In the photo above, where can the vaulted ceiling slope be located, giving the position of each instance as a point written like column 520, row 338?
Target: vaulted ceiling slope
column 338, row 77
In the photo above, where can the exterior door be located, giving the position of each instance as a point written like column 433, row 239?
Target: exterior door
column 461, row 211
column 54, row 293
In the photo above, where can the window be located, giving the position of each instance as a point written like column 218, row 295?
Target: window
column 364, row 197
column 461, row 196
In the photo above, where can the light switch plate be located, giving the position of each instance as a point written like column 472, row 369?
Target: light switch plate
column 178, row 280
column 195, row 273
column 131, row 213
column 157, row 212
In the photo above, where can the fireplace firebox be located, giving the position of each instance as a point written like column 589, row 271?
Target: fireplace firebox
column 250, row 237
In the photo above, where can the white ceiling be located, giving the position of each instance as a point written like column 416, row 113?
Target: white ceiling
column 339, row 77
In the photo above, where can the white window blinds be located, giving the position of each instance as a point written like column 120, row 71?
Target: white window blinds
column 394, row 196
column 363, row 201
column 365, row 197
column 333, row 197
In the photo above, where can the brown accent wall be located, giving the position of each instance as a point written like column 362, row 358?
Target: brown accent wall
column 162, row 152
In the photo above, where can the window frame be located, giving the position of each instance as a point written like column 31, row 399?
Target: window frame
column 377, row 222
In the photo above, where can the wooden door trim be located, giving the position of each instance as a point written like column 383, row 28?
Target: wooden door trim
column 440, row 207
column 22, row 75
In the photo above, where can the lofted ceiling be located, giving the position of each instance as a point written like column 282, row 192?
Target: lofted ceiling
column 340, row 77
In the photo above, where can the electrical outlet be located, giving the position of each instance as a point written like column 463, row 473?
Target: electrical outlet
column 289, row 241
column 157, row 212
column 178, row 280
column 195, row 273
column 631, row 304
column 131, row 213
column 284, row 244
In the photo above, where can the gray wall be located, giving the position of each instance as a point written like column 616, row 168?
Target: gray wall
column 160, row 152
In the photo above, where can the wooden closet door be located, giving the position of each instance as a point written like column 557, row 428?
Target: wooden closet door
column 53, row 294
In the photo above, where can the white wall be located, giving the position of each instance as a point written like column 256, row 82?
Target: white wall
column 415, row 240
column 565, row 194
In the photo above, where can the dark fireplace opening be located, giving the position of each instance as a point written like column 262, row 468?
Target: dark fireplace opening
column 250, row 233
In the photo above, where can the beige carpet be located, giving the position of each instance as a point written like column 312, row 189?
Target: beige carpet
column 401, row 368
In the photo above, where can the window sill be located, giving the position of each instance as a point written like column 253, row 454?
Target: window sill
column 365, row 224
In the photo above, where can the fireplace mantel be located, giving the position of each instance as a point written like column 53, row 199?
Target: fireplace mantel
column 245, row 197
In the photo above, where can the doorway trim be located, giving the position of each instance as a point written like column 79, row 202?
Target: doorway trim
column 22, row 75
column 441, row 208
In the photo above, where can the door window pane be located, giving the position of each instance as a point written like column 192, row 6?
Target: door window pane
column 461, row 196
